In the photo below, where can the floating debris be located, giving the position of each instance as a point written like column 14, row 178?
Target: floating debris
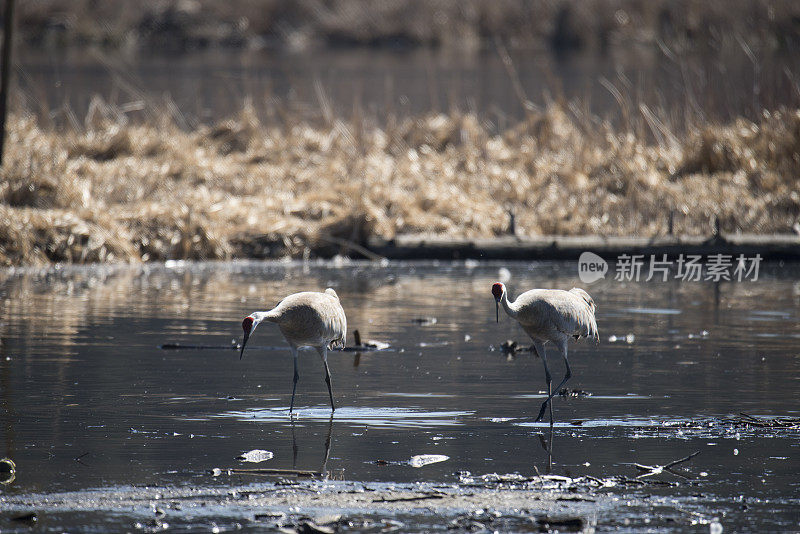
column 255, row 456
column 788, row 423
column 650, row 470
column 499, row 419
column 367, row 346
column 566, row 392
column 8, row 471
column 742, row 420
column 270, row 516
column 512, row 347
column 702, row 334
column 426, row 459
column 628, row 338
column 154, row 525
column 556, row 482
column 424, row 321
column 30, row 518
column 434, row 344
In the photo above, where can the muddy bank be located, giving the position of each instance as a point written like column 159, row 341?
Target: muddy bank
column 326, row 506
column 317, row 496
column 296, row 503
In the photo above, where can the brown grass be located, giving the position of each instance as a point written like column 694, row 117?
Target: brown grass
column 121, row 192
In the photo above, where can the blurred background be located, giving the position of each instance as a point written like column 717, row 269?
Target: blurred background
column 687, row 60
column 199, row 129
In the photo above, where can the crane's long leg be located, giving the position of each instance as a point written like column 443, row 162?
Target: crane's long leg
column 294, row 447
column 562, row 347
column 296, row 376
column 327, row 447
column 323, row 353
column 540, row 351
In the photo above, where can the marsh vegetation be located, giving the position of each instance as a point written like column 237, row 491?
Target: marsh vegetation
column 116, row 191
column 645, row 119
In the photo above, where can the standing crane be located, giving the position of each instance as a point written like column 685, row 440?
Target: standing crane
column 551, row 315
column 307, row 319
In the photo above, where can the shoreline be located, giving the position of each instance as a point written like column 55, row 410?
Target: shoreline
column 314, row 506
column 774, row 247
column 769, row 246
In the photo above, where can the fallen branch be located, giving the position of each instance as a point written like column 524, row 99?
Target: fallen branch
column 369, row 345
column 774, row 422
column 658, row 469
column 352, row 246
column 264, row 471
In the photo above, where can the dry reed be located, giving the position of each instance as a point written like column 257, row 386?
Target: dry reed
column 241, row 188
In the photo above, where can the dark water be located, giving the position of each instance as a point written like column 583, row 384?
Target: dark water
column 89, row 400
column 679, row 88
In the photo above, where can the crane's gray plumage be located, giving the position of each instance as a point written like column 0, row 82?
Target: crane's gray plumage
column 551, row 315
column 307, row 319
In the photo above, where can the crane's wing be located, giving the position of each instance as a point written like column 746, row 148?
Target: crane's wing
column 547, row 310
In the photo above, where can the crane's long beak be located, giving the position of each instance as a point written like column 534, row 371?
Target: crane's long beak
column 497, row 309
column 244, row 342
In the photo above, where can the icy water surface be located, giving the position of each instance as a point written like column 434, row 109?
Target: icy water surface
column 89, row 400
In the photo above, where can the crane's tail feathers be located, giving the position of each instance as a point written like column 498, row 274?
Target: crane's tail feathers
column 589, row 320
column 585, row 296
column 332, row 293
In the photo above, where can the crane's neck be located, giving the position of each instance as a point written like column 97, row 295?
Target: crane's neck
column 269, row 316
column 509, row 307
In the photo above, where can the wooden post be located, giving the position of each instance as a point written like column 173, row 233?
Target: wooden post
column 8, row 29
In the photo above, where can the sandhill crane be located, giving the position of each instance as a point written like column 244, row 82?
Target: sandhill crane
column 307, row 319
column 551, row 315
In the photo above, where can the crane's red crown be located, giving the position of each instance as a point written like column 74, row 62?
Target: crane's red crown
column 247, row 324
column 497, row 290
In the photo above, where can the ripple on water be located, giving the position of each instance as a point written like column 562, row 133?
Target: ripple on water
column 627, row 396
column 631, row 422
column 654, row 311
column 386, row 417
column 769, row 315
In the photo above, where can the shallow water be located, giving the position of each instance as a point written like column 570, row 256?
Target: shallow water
column 89, row 400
